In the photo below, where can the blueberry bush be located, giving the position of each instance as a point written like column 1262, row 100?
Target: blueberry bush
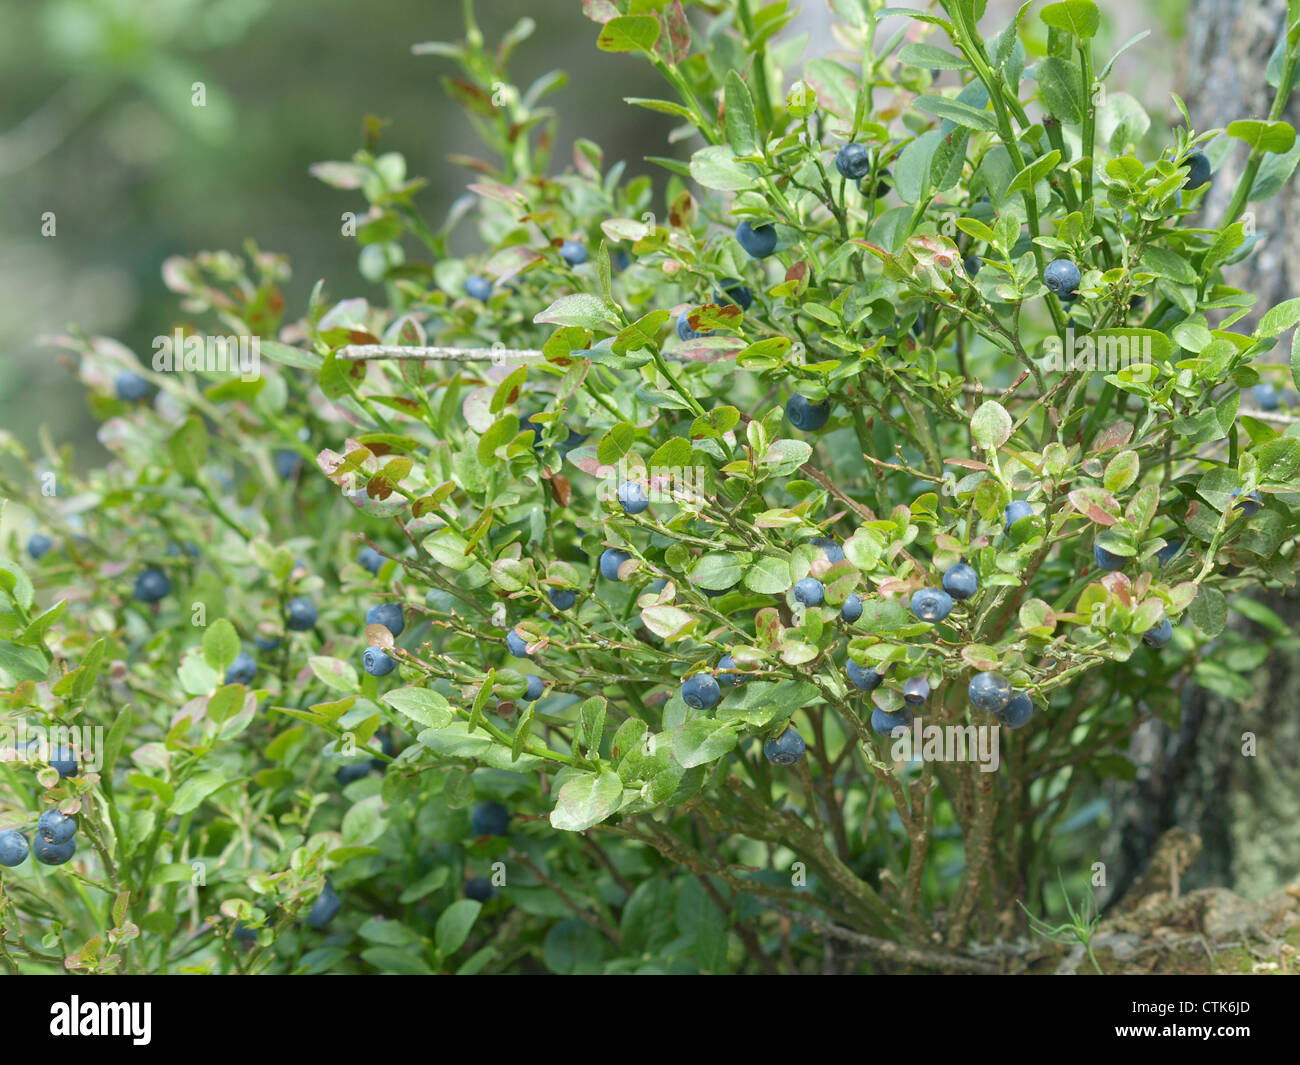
column 563, row 608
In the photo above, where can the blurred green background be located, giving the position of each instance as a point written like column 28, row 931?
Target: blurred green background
column 97, row 127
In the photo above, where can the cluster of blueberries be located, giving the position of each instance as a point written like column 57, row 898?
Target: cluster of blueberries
column 56, row 832
column 573, row 252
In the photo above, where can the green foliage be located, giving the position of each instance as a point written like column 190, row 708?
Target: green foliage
column 647, row 835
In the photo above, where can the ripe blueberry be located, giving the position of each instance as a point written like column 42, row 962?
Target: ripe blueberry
column 806, row 415
column 573, row 252
column 961, row 581
column 1249, row 505
column 562, row 598
column 64, row 760
column 377, row 663
column 56, row 827
column 733, row 290
column 389, row 615
column 610, row 559
column 1062, row 277
column 286, row 463
column 632, row 495
column 130, row 386
column 786, row 749
column 242, row 670
column 348, row 773
column 1166, row 554
column 684, row 330
column 13, row 848
column 535, row 688
column 852, row 609
column 883, row 722
column 267, row 643
column 325, row 908
column 1266, row 396
column 853, row 161
column 830, row 548
column 1199, row 170
column 53, row 853
column 38, row 544
column 1160, row 635
column 152, row 585
column 701, row 691
column 727, row 662
column 931, row 604
column 1017, row 711
column 1016, row 510
column 300, row 614
column 371, row 559
column 516, row 644
column 916, row 690
column 479, row 888
column 758, row 241
column 1105, row 559
column 882, row 186
column 490, row 819
column 971, row 264
column 478, row 288
column 865, row 678
column 989, row 692
column 810, row 591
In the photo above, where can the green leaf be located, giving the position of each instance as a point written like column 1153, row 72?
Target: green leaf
column 1034, row 172
column 629, row 33
column 220, row 645
column 22, row 663
column 991, row 425
column 455, row 922
column 188, row 447
column 715, row 167
column 616, row 443
column 1121, row 471
column 334, row 673
column 1209, row 610
column 955, row 111
column 277, row 352
column 1060, row 83
column 702, row 740
column 741, row 125
column 1276, row 137
column 719, row 570
column 912, row 171
column 1279, row 319
column 580, row 309
column 928, row 57
column 1079, row 18
column 194, row 790
column 586, row 799
column 769, row 575
column 1165, row 263
column 425, row 707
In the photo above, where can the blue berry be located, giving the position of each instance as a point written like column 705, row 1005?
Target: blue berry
column 479, row 888
column 1166, row 554
column 53, row 853
column 349, row 773
column 961, row 581
column 971, row 264
column 810, row 591
column 574, row 252
column 1249, row 505
column 806, row 415
column 1266, row 396
column 130, row 386
column 516, row 644
column 1062, row 277
column 535, row 688
column 325, row 908
column 931, row 604
column 267, row 643
column 632, row 496
column 883, row 722
column 863, row 677
column 377, row 662
column 300, row 614
column 286, row 463
column 758, row 241
column 1017, row 711
column 478, row 288
column 1160, row 635
column 490, row 819
column 152, row 585
column 13, row 848
column 989, row 692
column 64, row 760
column 853, row 161
column 882, row 185
column 852, row 609
column 732, row 290
column 38, row 544
column 1016, row 510
column 242, row 670
column 1199, row 170
column 389, row 615
column 684, row 330
column 701, row 691
column 622, row 260
column 727, row 662
column 371, row 560
column 1107, row 560
column 56, row 827
column 830, row 548
column 562, row 598
column 786, row 749
column 610, row 559
column 916, row 690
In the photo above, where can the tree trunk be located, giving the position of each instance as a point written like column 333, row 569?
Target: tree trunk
column 1245, row 809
